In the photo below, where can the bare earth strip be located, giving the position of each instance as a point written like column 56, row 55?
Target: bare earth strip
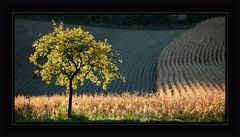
column 139, row 50
column 195, row 61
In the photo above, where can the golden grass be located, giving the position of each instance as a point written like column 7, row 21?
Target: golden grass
column 143, row 107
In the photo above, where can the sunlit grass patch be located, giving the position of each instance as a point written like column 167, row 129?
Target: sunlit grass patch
column 124, row 108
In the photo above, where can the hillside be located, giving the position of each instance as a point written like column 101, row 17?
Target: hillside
column 139, row 50
column 195, row 61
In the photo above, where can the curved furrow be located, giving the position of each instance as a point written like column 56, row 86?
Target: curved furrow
column 20, row 64
column 29, row 84
column 159, row 80
column 133, row 73
column 160, row 69
column 218, row 59
column 144, row 80
column 218, row 69
column 163, row 63
column 209, row 54
column 160, row 74
column 140, row 65
column 148, row 67
column 184, row 80
column 193, row 57
column 217, row 38
column 213, row 77
column 163, row 53
column 127, row 71
column 177, row 86
column 200, row 67
column 170, row 80
column 189, row 74
column 136, row 70
column 181, row 79
column 174, row 72
column 199, row 73
column 194, row 76
column 152, row 69
column 198, row 62
column 166, row 71
column 140, row 70
column 201, row 62
column 142, row 74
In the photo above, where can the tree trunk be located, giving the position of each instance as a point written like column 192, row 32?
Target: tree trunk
column 70, row 99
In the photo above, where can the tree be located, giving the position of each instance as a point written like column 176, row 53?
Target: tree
column 72, row 56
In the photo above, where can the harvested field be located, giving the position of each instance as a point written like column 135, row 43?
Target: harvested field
column 195, row 61
column 139, row 50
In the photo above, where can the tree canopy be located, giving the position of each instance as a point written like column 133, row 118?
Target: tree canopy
column 74, row 55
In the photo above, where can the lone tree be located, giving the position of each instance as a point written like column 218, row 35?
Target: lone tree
column 72, row 56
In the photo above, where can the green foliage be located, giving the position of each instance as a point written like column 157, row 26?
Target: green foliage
column 74, row 54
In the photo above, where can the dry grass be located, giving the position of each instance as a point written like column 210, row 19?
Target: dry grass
column 143, row 107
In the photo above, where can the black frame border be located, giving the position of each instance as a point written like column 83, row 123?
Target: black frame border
column 166, row 6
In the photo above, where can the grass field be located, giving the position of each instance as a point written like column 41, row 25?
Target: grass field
column 147, row 107
column 187, row 70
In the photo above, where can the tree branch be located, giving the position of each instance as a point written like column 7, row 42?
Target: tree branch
column 73, row 62
column 65, row 72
